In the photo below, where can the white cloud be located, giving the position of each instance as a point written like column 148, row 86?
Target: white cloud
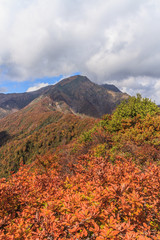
column 147, row 86
column 37, row 86
column 105, row 40
column 3, row 89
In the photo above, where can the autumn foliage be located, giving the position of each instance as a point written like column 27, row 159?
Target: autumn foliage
column 36, row 130
column 100, row 201
column 103, row 185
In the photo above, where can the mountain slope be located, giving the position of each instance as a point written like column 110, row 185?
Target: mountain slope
column 86, row 97
column 38, row 128
column 78, row 92
column 110, row 87
column 13, row 102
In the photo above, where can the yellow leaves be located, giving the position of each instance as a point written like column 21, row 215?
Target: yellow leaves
column 67, row 183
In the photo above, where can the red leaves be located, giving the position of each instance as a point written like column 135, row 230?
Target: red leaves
column 98, row 200
column 102, row 201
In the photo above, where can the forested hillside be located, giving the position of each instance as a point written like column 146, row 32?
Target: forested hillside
column 37, row 129
column 103, row 183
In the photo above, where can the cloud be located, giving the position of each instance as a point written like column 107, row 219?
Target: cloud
column 3, row 89
column 106, row 40
column 37, row 86
column 146, row 86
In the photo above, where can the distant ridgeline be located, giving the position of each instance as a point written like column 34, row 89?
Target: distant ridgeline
column 78, row 92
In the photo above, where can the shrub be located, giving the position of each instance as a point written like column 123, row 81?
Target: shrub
column 130, row 109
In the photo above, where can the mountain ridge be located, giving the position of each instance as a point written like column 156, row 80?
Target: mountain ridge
column 40, row 127
column 78, row 92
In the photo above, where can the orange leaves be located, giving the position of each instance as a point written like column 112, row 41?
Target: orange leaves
column 100, row 201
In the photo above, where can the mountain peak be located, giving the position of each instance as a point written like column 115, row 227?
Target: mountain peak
column 85, row 97
column 77, row 92
column 73, row 79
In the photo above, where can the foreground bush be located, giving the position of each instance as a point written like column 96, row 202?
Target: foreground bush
column 100, row 201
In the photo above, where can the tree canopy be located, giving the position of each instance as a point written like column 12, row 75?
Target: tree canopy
column 129, row 109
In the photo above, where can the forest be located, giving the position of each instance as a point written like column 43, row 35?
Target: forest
column 79, row 178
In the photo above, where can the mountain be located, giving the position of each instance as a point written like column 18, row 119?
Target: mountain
column 86, row 97
column 13, row 102
column 78, row 92
column 38, row 128
column 49, row 117
column 111, row 87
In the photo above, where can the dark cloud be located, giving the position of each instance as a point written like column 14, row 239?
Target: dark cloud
column 115, row 41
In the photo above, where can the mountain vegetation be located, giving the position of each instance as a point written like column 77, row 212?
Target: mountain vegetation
column 36, row 129
column 69, row 176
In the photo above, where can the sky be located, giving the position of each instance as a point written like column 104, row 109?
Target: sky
column 108, row 41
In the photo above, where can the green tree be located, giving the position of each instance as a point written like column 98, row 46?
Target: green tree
column 129, row 109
